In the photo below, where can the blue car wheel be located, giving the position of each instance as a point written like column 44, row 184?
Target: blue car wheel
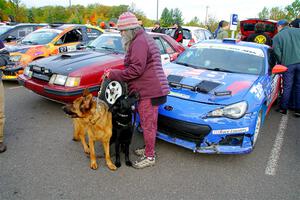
column 257, row 127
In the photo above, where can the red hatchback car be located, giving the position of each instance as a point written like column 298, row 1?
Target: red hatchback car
column 247, row 27
column 63, row 77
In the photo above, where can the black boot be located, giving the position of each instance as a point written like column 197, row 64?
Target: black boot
column 2, row 147
column 282, row 111
column 297, row 113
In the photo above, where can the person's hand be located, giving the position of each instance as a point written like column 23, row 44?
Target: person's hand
column 106, row 74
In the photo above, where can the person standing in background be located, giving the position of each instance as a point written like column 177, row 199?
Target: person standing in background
column 178, row 35
column 259, row 36
column 286, row 45
column 157, row 28
column 4, row 58
column 222, row 33
column 218, row 28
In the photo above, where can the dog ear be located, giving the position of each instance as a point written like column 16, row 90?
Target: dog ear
column 86, row 92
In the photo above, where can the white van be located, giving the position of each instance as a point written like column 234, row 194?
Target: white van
column 192, row 34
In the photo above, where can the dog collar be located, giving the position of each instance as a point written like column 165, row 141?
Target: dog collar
column 124, row 125
column 122, row 115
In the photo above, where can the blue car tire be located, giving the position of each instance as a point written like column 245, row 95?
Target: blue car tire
column 257, row 127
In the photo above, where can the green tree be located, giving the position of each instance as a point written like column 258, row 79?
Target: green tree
column 264, row 14
column 212, row 23
column 17, row 10
column 73, row 14
column 177, row 16
column 116, row 11
column 169, row 17
column 293, row 10
column 277, row 13
column 3, row 6
column 290, row 12
column 30, row 16
column 39, row 15
column 166, row 18
column 194, row 22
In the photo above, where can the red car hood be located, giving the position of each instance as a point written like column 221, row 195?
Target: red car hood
column 80, row 62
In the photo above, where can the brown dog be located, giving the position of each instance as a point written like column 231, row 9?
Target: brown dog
column 94, row 119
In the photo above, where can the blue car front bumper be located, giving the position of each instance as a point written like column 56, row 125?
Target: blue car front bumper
column 188, row 127
column 212, row 149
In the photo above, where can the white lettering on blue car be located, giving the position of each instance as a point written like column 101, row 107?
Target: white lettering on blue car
column 230, row 131
column 175, row 94
column 242, row 49
column 257, row 90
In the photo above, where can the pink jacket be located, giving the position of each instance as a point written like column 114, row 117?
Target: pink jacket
column 143, row 71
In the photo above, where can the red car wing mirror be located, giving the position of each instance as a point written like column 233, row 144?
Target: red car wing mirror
column 277, row 69
column 174, row 56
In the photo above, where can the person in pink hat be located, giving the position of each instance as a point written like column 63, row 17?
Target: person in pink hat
column 4, row 59
column 144, row 74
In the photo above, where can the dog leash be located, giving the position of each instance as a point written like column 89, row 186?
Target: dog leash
column 134, row 118
column 100, row 91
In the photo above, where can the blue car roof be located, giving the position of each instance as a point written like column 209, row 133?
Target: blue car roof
column 237, row 43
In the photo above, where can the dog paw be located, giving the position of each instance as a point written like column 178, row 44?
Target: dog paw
column 87, row 150
column 94, row 165
column 118, row 164
column 129, row 163
column 111, row 166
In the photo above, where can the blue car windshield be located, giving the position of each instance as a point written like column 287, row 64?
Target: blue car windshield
column 107, row 42
column 222, row 59
column 40, row 37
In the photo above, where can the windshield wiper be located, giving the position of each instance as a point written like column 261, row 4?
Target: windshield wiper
column 193, row 66
column 222, row 70
column 185, row 64
column 28, row 42
column 110, row 49
column 91, row 47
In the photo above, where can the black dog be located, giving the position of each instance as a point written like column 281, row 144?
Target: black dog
column 122, row 111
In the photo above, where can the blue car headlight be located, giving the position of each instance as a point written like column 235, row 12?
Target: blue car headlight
column 233, row 111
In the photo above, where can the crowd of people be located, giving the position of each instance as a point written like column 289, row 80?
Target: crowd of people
column 144, row 73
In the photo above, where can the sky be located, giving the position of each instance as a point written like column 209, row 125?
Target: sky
column 219, row 9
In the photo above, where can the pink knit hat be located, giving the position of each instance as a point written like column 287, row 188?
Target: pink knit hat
column 127, row 21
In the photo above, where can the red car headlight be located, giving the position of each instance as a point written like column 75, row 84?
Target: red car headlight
column 72, row 81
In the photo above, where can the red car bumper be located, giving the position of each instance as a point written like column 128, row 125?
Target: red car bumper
column 55, row 92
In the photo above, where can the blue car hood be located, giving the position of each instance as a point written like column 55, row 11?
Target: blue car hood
column 206, row 86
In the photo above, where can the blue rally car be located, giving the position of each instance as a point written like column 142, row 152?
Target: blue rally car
column 221, row 92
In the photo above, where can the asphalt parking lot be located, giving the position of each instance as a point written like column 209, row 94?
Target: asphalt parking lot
column 42, row 162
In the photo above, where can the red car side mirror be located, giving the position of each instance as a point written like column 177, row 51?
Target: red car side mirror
column 277, row 69
column 174, row 56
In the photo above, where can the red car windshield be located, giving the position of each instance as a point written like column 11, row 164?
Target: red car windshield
column 107, row 42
